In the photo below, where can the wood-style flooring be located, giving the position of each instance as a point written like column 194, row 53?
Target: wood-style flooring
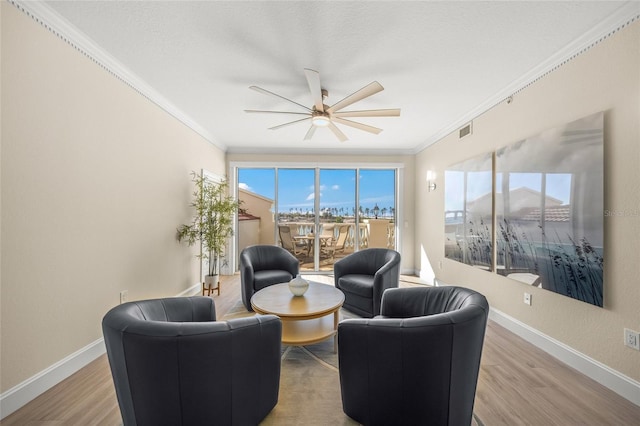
column 519, row 384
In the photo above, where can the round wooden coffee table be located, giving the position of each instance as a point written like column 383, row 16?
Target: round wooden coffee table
column 305, row 319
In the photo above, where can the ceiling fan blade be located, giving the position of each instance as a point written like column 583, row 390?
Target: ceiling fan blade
column 276, row 112
column 266, row 92
column 394, row 112
column 360, row 126
column 341, row 136
column 313, row 80
column 310, row 133
column 289, row 123
column 365, row 92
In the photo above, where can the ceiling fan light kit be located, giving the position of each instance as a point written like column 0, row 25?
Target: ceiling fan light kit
column 320, row 120
column 322, row 115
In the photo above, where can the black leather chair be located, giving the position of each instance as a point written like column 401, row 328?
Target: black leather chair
column 418, row 362
column 364, row 275
column 173, row 364
column 265, row 265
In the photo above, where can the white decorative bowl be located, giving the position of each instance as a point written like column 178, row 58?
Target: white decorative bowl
column 298, row 286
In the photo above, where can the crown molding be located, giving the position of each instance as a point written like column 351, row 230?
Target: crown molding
column 621, row 18
column 64, row 30
column 319, row 151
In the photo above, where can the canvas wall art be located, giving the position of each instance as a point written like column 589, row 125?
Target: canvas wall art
column 549, row 203
column 468, row 220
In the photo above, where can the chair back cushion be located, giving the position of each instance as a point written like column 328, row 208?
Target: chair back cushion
column 368, row 261
column 267, row 257
column 178, row 309
column 427, row 301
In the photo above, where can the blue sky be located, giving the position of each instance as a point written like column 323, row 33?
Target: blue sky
column 479, row 183
column 337, row 187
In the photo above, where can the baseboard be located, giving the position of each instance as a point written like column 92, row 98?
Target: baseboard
column 191, row 291
column 19, row 395
column 606, row 376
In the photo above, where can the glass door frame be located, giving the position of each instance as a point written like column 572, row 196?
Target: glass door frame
column 317, row 166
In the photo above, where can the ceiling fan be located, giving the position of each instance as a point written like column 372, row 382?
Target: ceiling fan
column 322, row 115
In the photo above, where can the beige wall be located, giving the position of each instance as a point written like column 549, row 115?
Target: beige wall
column 407, row 188
column 605, row 78
column 248, row 233
column 95, row 180
column 261, row 207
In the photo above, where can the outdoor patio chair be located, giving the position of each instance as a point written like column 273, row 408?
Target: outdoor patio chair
column 288, row 242
column 336, row 245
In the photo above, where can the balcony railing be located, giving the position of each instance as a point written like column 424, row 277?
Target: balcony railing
column 371, row 233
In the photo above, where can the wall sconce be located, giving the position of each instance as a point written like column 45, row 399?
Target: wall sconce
column 431, row 177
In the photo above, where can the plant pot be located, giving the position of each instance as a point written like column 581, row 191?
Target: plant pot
column 211, row 282
column 298, row 286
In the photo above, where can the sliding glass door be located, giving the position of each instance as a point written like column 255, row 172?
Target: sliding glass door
column 296, row 214
column 377, row 208
column 318, row 214
column 336, row 218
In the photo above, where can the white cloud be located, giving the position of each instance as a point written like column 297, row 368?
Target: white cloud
column 310, row 196
column 244, row 186
column 335, row 187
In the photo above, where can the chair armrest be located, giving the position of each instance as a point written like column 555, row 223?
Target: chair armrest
column 247, row 277
column 387, row 267
column 339, row 269
column 385, row 278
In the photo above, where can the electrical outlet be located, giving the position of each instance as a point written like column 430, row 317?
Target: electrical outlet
column 124, row 295
column 632, row 339
column 527, row 299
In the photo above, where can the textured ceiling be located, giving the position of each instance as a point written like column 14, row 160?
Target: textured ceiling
column 442, row 63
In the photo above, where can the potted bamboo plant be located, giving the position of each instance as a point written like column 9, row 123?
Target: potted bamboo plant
column 212, row 223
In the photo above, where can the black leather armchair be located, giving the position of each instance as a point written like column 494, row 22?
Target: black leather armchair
column 265, row 265
column 173, row 364
column 364, row 275
column 418, row 362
